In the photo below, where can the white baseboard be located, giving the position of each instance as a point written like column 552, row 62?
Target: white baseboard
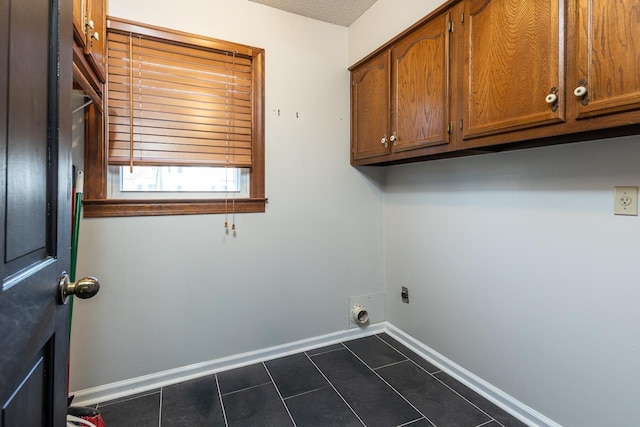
column 156, row 380
column 172, row 376
column 513, row 406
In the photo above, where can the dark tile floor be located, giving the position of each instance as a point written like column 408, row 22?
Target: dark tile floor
column 373, row 381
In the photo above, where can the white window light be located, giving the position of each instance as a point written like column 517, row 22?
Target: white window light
column 178, row 182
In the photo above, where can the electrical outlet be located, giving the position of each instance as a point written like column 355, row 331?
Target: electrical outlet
column 405, row 295
column 625, row 201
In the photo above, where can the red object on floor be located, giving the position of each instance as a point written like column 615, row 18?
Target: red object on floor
column 95, row 420
column 89, row 414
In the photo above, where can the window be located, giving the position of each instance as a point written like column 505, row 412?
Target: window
column 184, row 126
column 161, row 182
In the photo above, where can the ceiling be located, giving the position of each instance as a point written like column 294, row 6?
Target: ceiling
column 339, row 12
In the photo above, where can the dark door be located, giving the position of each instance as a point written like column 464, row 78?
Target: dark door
column 35, row 194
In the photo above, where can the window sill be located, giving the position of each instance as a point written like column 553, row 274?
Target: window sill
column 98, row 208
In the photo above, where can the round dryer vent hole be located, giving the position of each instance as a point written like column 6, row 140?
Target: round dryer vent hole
column 359, row 314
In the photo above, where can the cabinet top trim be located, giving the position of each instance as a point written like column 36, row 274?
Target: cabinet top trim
column 413, row 27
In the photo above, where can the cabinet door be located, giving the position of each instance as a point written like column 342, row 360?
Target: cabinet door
column 79, row 13
column 607, row 56
column 370, row 108
column 420, row 87
column 514, row 50
column 95, row 47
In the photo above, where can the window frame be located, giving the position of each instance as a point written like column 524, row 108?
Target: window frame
column 96, row 202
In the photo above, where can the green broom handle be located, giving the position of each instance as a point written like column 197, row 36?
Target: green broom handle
column 75, row 233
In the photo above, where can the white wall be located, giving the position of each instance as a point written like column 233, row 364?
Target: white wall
column 176, row 290
column 518, row 270
column 383, row 21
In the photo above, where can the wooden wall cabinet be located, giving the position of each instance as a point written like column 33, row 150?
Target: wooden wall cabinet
column 523, row 73
column 370, row 112
column 514, row 61
column 401, row 96
column 89, row 25
column 538, row 69
column 605, row 57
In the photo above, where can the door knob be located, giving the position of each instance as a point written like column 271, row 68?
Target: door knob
column 83, row 288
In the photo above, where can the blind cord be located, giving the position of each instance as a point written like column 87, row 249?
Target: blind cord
column 226, row 165
column 233, row 148
column 130, row 103
column 230, row 156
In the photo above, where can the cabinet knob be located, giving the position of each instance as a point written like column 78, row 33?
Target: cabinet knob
column 95, row 36
column 552, row 99
column 394, row 138
column 580, row 91
column 384, row 141
column 90, row 24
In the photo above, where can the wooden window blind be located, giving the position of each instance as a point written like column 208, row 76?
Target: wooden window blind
column 175, row 99
column 175, row 104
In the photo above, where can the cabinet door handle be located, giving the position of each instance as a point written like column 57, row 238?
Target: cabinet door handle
column 394, row 139
column 580, row 91
column 95, row 36
column 384, row 141
column 552, row 99
column 90, row 24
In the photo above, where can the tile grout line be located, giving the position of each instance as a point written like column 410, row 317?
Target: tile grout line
column 467, row 400
column 245, row 389
column 335, row 389
column 306, row 392
column 280, row 394
column 441, row 382
column 392, row 388
column 224, row 413
column 411, row 422
column 127, row 398
column 324, row 352
column 160, row 410
column 405, row 356
column 408, row 358
column 392, row 364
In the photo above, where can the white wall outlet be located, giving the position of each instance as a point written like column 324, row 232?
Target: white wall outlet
column 625, row 201
column 374, row 304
